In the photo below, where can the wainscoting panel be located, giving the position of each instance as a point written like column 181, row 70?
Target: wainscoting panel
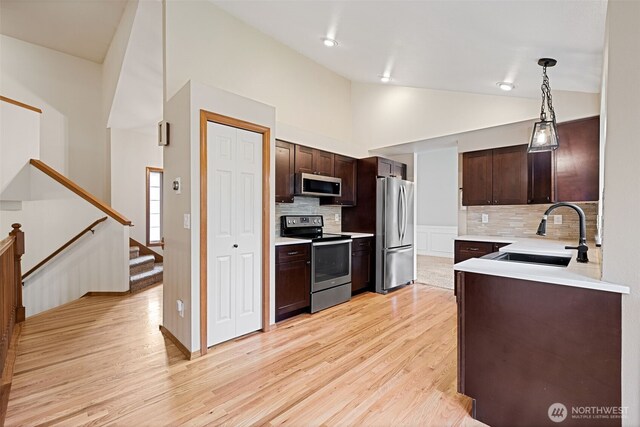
column 436, row 240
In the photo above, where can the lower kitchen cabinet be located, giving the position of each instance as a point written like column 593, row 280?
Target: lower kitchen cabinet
column 293, row 280
column 361, row 264
column 466, row 249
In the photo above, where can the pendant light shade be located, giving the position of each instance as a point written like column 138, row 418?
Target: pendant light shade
column 545, row 133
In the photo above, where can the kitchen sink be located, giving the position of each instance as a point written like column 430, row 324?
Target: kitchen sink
column 553, row 260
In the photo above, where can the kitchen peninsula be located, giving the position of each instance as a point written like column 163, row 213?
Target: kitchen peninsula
column 531, row 335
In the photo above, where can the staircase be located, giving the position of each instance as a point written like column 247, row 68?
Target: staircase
column 144, row 272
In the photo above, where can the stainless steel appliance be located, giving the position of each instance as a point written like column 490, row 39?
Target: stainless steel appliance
column 330, row 259
column 394, row 234
column 307, row 184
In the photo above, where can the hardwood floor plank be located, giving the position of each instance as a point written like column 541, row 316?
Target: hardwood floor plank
column 377, row 360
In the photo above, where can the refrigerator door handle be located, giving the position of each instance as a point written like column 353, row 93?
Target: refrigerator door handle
column 403, row 201
column 400, row 214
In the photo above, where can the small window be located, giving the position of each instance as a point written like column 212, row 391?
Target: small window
column 154, row 206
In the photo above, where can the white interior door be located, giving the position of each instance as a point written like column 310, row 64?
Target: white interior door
column 234, row 238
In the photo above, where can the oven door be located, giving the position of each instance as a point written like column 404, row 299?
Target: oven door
column 331, row 264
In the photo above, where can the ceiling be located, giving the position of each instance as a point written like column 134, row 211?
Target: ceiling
column 82, row 28
column 459, row 45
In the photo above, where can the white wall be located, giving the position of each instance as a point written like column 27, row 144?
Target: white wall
column 182, row 158
column 131, row 153
column 69, row 92
column 19, row 142
column 437, row 187
column 621, row 228
column 313, row 104
column 385, row 115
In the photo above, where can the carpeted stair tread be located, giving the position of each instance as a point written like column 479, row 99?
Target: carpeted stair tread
column 145, row 279
column 141, row 264
column 134, row 252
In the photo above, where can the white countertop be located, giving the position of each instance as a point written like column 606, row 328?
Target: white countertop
column 355, row 235
column 281, row 241
column 576, row 274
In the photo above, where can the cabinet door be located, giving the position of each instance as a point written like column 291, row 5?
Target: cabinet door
column 304, row 159
column 361, row 265
column 477, row 178
column 346, row 168
column 541, row 180
column 285, row 156
column 385, row 167
column 510, row 175
column 578, row 161
column 323, row 163
column 399, row 170
column 293, row 287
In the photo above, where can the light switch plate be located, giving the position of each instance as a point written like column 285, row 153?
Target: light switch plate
column 337, row 217
column 557, row 219
column 187, row 221
column 485, row 218
column 180, row 307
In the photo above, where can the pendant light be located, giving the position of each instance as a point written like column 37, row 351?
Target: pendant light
column 545, row 132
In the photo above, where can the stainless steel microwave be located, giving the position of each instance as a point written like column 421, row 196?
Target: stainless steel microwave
column 308, row 184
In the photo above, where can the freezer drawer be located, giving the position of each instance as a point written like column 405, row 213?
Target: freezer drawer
column 398, row 267
column 330, row 297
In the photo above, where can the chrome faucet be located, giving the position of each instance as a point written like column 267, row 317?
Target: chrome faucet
column 582, row 244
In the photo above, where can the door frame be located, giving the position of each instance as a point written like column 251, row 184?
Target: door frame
column 206, row 117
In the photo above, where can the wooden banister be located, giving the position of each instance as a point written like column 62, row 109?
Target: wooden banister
column 57, row 176
column 63, row 247
column 11, row 309
column 20, row 104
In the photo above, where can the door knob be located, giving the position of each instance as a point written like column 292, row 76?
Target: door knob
column 235, row 246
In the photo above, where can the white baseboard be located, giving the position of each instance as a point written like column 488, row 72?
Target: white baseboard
column 436, row 240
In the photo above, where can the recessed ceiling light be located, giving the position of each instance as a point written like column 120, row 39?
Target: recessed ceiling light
column 506, row 86
column 329, row 42
column 385, row 78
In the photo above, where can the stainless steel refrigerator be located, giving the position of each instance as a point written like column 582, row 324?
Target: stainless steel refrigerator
column 394, row 234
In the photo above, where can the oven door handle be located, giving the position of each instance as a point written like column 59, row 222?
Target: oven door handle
column 332, row 242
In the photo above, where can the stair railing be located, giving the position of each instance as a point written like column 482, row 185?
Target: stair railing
column 11, row 308
column 90, row 228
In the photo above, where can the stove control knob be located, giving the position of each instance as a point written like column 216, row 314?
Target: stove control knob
column 294, row 221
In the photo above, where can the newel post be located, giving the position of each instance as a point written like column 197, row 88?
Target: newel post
column 18, row 251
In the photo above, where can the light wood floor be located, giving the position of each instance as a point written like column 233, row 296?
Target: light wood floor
column 377, row 360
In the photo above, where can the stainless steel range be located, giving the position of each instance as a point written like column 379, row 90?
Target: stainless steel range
column 330, row 259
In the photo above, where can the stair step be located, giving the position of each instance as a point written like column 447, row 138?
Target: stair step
column 146, row 279
column 141, row 264
column 134, row 252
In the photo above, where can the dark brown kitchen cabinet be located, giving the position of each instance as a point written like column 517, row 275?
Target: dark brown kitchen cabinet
column 541, row 178
column 311, row 160
column 510, row 175
column 495, row 177
column 361, row 264
column 578, row 161
column 293, row 280
column 477, row 178
column 285, row 155
column 388, row 168
column 467, row 249
column 345, row 168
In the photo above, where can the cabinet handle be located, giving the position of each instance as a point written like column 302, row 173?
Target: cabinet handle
column 473, row 249
column 495, row 202
column 308, row 262
column 293, row 253
column 488, row 202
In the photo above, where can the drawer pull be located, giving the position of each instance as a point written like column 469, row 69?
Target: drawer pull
column 473, row 249
column 293, row 253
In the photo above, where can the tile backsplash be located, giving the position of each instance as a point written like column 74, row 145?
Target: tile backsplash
column 523, row 220
column 310, row 206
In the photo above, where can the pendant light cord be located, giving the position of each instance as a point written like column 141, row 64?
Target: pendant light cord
column 546, row 95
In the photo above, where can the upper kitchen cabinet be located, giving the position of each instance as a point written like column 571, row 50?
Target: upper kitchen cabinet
column 388, row 168
column 311, row 160
column 541, row 178
column 477, row 178
column 285, row 155
column 495, row 177
column 510, row 176
column 345, row 168
column 578, row 161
